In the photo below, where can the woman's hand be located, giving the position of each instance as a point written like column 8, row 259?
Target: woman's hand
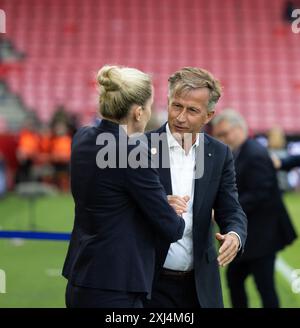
column 178, row 203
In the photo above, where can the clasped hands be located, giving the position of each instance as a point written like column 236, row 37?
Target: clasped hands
column 229, row 242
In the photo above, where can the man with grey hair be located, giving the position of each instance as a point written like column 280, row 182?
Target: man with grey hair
column 269, row 225
column 231, row 128
column 187, row 273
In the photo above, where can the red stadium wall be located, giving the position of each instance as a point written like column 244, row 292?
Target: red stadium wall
column 244, row 43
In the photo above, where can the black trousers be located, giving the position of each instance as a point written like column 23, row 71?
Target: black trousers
column 174, row 292
column 262, row 270
column 82, row 297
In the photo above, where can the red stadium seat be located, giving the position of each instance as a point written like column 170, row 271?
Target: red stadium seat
column 247, row 45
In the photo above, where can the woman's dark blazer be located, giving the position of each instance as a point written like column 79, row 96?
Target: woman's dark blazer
column 118, row 214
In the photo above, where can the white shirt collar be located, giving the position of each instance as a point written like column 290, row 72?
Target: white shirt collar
column 174, row 143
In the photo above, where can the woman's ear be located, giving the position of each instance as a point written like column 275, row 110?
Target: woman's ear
column 137, row 113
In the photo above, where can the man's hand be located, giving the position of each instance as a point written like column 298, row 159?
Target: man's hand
column 178, row 203
column 229, row 248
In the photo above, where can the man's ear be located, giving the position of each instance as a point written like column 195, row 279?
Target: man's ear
column 210, row 116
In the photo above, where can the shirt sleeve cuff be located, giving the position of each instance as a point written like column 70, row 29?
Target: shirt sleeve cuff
column 233, row 232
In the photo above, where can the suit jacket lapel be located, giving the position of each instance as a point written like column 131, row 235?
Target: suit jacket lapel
column 165, row 178
column 201, row 184
column 163, row 152
column 162, row 246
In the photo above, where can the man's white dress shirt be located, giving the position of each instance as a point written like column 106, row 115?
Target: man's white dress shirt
column 182, row 169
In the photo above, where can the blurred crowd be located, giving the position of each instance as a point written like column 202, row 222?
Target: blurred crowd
column 43, row 151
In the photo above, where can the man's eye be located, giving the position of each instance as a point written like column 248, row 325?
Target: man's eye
column 177, row 106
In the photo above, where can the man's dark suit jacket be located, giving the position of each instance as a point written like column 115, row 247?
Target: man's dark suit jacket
column 118, row 214
column 269, row 225
column 215, row 190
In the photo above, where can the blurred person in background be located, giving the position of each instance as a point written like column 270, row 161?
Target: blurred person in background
column 27, row 150
column 43, row 168
column 61, row 114
column 45, row 144
column 3, row 183
column 118, row 211
column 187, row 271
column 60, row 154
column 286, row 163
column 277, row 148
column 269, row 226
column 276, row 139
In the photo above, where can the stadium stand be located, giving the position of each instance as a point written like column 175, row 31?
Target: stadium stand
column 247, row 44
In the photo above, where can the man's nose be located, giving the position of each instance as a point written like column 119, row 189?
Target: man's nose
column 182, row 116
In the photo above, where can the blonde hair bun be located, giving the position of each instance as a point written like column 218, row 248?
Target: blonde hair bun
column 120, row 88
column 109, row 77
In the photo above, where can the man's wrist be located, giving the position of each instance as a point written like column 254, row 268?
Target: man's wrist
column 239, row 238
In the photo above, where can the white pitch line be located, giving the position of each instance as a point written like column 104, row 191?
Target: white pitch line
column 285, row 270
column 17, row 242
column 280, row 266
column 51, row 272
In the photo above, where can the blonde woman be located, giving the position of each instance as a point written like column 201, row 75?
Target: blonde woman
column 119, row 211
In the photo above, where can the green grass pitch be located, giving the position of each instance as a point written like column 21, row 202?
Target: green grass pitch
column 33, row 267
